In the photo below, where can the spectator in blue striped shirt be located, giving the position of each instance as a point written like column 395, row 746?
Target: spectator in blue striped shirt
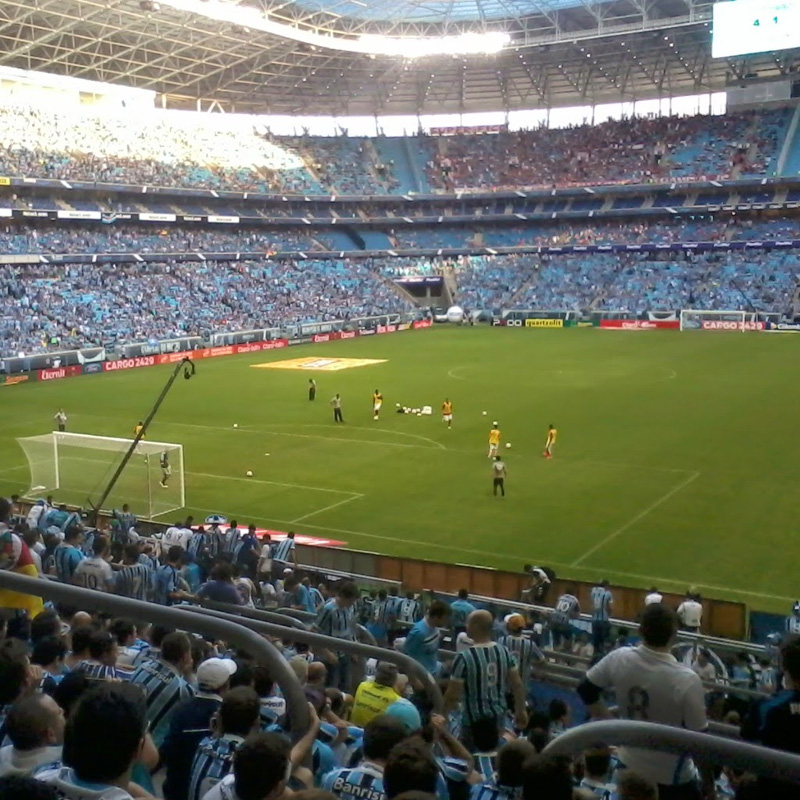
column 296, row 595
column 506, row 784
column 68, row 554
column 134, row 579
column 191, row 723
column 602, row 604
column 422, row 642
column 460, row 609
column 316, row 594
column 260, row 770
column 284, row 554
column 409, row 609
column 525, row 651
column 365, row 781
column 379, row 622
column 164, row 682
column 337, row 619
column 102, row 662
column 238, row 717
column 166, row 589
column 484, row 675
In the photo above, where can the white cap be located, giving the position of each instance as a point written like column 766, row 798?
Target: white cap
column 214, row 673
column 288, row 571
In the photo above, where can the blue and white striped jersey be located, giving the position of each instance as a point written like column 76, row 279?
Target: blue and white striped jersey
column 165, row 581
column 164, row 687
column 364, row 782
column 134, row 581
column 336, row 621
column 525, row 653
column 486, row 764
column 491, row 790
column 212, row 762
column 602, row 791
column 283, row 550
column 101, row 672
column 601, row 604
column 66, row 559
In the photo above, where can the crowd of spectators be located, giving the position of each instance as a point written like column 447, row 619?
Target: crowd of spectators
column 195, row 719
column 22, row 238
column 150, row 238
column 63, row 306
column 635, row 150
column 215, row 151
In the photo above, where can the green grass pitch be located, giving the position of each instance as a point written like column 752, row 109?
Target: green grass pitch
column 676, row 461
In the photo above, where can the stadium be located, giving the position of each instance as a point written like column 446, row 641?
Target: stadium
column 397, row 399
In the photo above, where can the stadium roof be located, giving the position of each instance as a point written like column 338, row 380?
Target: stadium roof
column 563, row 52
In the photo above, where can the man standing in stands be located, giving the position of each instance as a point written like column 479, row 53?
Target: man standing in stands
column 312, row 389
column 422, row 642
column 337, row 619
column 567, row 609
column 651, row 685
column 164, row 682
column 483, row 676
column 602, row 603
column 690, row 612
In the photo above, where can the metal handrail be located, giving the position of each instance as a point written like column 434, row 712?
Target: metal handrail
column 711, row 641
column 353, row 576
column 407, row 664
column 229, row 630
column 651, row 736
column 290, row 616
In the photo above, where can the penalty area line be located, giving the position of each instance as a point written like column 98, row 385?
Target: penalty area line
column 351, row 495
column 641, row 515
column 326, row 508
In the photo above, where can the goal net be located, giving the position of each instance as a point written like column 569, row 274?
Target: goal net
column 79, row 466
column 703, row 320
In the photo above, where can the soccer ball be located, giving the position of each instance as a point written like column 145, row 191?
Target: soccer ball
column 249, row 472
column 235, row 424
column 485, row 413
column 508, row 444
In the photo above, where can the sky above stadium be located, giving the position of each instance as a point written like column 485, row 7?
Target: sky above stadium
column 436, row 10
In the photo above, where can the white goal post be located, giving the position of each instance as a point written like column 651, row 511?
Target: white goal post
column 78, row 466
column 707, row 320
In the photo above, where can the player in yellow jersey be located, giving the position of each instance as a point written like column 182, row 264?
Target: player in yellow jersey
column 377, row 402
column 552, row 435
column 138, row 429
column 447, row 412
column 494, row 440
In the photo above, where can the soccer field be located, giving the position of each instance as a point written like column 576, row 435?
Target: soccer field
column 675, row 463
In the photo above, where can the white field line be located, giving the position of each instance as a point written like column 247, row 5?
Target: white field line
column 351, row 495
column 272, row 432
column 451, row 373
column 327, row 508
column 13, row 469
column 641, row 515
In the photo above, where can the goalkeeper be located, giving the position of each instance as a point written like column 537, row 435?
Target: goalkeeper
column 166, row 469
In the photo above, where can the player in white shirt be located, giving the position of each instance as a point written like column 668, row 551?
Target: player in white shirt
column 651, row 685
column 95, row 572
column 690, row 613
column 176, row 534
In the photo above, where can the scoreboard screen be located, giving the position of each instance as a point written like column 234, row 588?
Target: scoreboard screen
column 755, row 26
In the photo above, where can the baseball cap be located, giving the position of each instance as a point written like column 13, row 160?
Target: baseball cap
column 406, row 712
column 515, row 622
column 214, row 673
